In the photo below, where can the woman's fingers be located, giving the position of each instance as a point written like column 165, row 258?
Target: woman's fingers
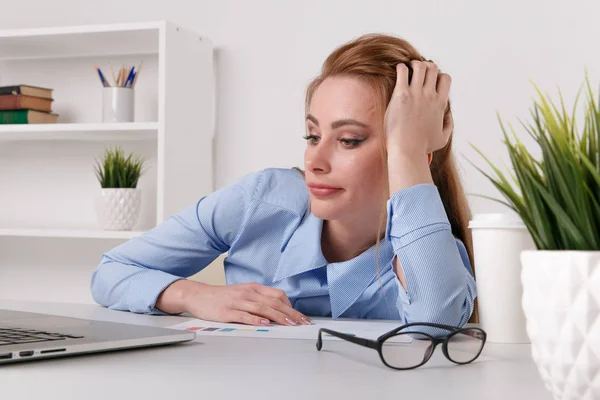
column 431, row 77
column 248, row 303
column 401, row 78
column 284, row 311
column 266, row 311
column 253, row 304
column 418, row 77
column 279, row 295
column 294, row 315
column 443, row 87
column 243, row 317
column 427, row 75
column 271, row 292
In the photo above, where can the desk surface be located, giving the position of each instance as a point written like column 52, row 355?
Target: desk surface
column 247, row 368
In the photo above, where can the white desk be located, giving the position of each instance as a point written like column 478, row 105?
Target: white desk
column 244, row 368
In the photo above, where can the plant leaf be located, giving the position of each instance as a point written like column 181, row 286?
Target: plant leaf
column 114, row 170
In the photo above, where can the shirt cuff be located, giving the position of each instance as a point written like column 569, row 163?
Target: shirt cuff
column 145, row 289
column 415, row 212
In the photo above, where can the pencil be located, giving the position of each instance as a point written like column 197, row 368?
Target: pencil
column 129, row 77
column 137, row 73
column 102, row 79
column 112, row 73
column 98, row 72
column 119, row 77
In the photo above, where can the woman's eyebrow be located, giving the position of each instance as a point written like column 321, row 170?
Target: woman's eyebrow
column 339, row 123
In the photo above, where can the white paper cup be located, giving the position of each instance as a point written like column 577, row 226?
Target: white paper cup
column 117, row 104
column 498, row 240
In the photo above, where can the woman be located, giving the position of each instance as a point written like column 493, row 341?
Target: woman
column 374, row 228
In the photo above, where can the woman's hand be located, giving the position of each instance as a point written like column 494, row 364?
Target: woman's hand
column 248, row 303
column 414, row 119
column 415, row 125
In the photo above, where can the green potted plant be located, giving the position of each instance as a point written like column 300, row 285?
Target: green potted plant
column 118, row 204
column 557, row 197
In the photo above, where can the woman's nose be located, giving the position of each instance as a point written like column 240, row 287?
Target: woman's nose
column 317, row 158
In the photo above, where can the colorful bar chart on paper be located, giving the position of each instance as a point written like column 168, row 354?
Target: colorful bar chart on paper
column 369, row 329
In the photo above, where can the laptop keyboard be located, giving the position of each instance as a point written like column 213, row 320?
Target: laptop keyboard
column 22, row 335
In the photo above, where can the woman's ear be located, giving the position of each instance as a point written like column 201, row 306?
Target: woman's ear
column 429, row 158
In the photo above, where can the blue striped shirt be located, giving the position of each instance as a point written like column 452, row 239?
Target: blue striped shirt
column 263, row 222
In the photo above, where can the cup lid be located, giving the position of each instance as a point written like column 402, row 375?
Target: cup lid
column 496, row 220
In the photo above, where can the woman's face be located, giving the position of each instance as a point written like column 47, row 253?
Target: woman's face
column 343, row 166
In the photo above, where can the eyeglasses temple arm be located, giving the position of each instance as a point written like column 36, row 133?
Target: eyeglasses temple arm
column 360, row 341
column 431, row 325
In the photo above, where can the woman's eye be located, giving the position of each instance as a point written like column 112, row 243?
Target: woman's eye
column 311, row 139
column 350, row 143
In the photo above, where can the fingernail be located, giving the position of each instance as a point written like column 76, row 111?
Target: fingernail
column 289, row 321
column 265, row 322
column 306, row 321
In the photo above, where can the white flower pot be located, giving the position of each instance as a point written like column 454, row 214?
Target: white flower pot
column 561, row 301
column 118, row 209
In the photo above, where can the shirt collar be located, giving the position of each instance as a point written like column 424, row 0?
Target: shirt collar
column 347, row 280
column 301, row 248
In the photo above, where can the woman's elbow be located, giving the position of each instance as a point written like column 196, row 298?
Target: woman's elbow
column 100, row 283
column 454, row 311
column 456, row 308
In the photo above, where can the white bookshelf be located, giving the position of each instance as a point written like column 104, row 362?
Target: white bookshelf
column 50, row 239
column 173, row 126
column 81, row 131
column 69, row 233
column 87, row 40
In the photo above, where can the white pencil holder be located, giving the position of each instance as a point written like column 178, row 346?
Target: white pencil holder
column 117, row 104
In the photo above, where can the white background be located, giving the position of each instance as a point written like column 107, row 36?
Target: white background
column 268, row 51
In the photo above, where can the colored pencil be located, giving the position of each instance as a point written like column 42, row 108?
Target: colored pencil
column 137, row 73
column 102, row 79
column 112, row 74
column 126, row 77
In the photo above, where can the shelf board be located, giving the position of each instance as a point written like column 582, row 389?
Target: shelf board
column 92, row 131
column 69, row 233
column 80, row 41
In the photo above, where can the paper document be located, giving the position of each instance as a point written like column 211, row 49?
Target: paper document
column 369, row 329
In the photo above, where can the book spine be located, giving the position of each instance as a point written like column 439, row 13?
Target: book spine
column 10, row 90
column 11, row 102
column 14, row 117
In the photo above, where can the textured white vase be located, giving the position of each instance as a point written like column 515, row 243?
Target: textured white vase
column 118, row 209
column 561, row 301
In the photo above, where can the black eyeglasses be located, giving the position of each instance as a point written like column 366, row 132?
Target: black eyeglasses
column 404, row 348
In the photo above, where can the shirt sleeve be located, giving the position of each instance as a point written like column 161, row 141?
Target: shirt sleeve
column 439, row 277
column 132, row 275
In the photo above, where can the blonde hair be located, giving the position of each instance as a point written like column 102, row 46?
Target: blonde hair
column 373, row 59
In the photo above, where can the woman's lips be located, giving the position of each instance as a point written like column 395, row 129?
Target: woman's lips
column 323, row 191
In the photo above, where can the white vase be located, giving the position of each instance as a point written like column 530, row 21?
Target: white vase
column 561, row 301
column 118, row 209
column 118, row 104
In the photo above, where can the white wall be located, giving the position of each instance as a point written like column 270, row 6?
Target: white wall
column 268, row 50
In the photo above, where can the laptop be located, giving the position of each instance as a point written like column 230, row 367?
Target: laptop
column 26, row 336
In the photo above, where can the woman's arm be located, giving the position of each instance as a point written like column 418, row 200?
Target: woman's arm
column 131, row 276
column 435, row 285
column 146, row 274
column 435, row 281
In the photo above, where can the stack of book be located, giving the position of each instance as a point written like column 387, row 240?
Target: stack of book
column 24, row 104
